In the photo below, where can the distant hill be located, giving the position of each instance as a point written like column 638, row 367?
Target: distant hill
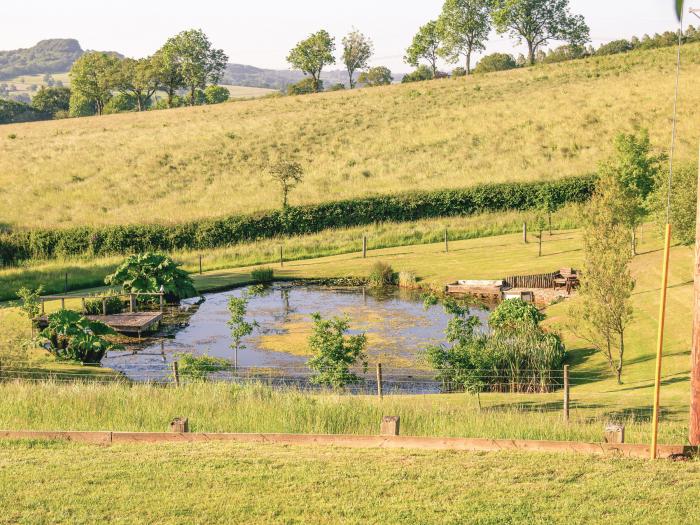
column 48, row 56
column 242, row 75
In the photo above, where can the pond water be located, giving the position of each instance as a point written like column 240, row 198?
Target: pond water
column 397, row 325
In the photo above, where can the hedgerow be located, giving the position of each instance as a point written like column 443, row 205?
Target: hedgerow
column 16, row 246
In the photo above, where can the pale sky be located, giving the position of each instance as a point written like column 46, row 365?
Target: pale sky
column 260, row 33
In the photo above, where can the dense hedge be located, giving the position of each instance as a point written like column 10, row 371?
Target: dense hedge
column 211, row 233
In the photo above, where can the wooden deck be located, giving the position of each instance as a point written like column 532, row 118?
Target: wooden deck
column 131, row 323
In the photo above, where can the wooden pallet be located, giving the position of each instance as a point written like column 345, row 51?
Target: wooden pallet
column 131, row 323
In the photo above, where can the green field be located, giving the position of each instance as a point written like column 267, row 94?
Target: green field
column 170, row 166
column 224, row 483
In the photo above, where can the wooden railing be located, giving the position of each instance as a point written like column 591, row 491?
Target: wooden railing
column 543, row 280
column 132, row 300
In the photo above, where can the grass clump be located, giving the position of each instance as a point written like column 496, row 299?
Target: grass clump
column 382, row 274
column 263, row 275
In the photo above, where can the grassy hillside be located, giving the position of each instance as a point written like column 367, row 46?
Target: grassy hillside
column 168, row 166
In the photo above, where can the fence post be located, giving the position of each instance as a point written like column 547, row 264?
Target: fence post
column 162, row 305
column 540, row 249
column 104, row 306
column 567, row 397
column 447, row 247
column 380, row 391
column 525, row 232
column 282, row 256
column 63, row 303
column 200, row 264
column 364, row 246
column 176, row 374
column 131, row 303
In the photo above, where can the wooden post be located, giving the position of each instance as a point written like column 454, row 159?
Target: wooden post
column 162, row 302
column 447, row 246
column 540, row 252
column 380, row 391
column 104, row 306
column 180, row 425
column 390, row 426
column 200, row 264
column 282, row 256
column 614, row 434
column 63, row 303
column 131, row 303
column 566, row 393
column 694, row 426
column 525, row 232
column 176, row 374
column 364, row 246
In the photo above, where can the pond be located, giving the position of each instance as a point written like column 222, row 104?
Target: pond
column 397, row 325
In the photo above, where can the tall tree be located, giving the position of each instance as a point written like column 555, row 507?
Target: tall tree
column 92, row 77
column 604, row 311
column 425, row 46
column 166, row 64
column 633, row 171
column 357, row 50
column 312, row 55
column 138, row 79
column 198, row 62
column 464, row 26
column 538, row 21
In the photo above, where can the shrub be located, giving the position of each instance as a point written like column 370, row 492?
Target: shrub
column 150, row 273
column 495, row 62
column 407, row 280
column 458, row 72
column 295, row 220
column 114, row 303
column 337, row 87
column 614, row 47
column 511, row 313
column 335, row 352
column 262, row 275
column 216, row 94
column 199, row 367
column 422, row 73
column 31, row 305
column 376, row 76
column 71, row 336
column 381, row 275
column 304, row 87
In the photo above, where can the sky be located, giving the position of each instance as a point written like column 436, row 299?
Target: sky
column 261, row 33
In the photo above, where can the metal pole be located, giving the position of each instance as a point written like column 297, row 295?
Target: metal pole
column 694, row 426
column 660, row 342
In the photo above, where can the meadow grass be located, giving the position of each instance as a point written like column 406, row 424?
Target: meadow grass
column 56, row 482
column 87, row 272
column 170, row 166
column 222, row 407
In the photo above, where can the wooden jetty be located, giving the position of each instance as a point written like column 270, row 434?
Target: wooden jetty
column 128, row 323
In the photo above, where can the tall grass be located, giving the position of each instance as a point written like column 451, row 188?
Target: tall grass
column 220, row 407
column 85, row 272
column 170, row 166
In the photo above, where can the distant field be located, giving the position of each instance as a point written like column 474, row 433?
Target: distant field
column 248, row 92
column 168, row 166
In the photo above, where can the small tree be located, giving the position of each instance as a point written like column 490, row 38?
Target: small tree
column 288, row 175
column 312, row 55
column 92, row 78
column 376, row 76
column 632, row 171
column 52, row 100
column 335, row 352
column 137, row 79
column 216, row 94
column 495, row 62
column 357, row 50
column 240, row 327
column 606, row 284
column 425, row 46
column 166, row 63
column 31, row 301
column 464, row 26
column 683, row 203
column 539, row 21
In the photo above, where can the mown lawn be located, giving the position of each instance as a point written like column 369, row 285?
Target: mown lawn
column 56, row 482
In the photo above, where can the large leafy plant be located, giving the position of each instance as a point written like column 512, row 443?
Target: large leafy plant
column 74, row 337
column 149, row 272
